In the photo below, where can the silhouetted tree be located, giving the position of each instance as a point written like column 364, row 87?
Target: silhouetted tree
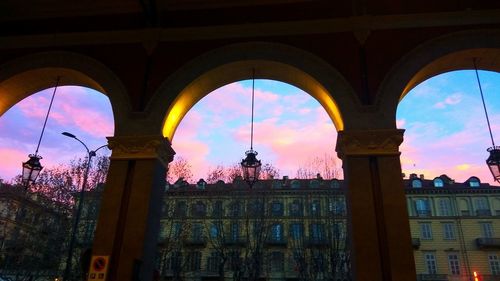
column 325, row 166
column 179, row 168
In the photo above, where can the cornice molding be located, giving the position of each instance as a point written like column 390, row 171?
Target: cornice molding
column 365, row 23
column 369, row 142
column 141, row 147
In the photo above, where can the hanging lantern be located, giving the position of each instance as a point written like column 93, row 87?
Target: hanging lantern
column 494, row 162
column 251, row 167
column 31, row 169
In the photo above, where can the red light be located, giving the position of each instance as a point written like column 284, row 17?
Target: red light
column 476, row 276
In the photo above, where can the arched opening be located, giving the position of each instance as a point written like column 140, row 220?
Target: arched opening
column 242, row 70
column 38, row 221
column 292, row 132
column 256, row 222
column 446, row 129
column 445, row 143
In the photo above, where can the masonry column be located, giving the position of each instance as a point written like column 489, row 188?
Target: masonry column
column 380, row 230
column 129, row 217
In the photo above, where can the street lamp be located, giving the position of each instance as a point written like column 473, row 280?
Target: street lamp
column 90, row 154
column 32, row 167
column 493, row 160
column 250, row 166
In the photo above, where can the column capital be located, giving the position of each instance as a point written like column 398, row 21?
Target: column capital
column 141, row 147
column 369, row 142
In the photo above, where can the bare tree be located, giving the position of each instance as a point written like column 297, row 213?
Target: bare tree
column 325, row 166
column 216, row 174
column 268, row 172
column 324, row 252
column 174, row 230
column 233, row 172
column 179, row 168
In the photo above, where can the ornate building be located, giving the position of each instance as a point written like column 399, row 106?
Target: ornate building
column 33, row 233
column 296, row 230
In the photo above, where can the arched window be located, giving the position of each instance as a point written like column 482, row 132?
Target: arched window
column 438, row 182
column 235, row 209
column 277, row 232
column 416, row 183
column 218, row 211
column 277, row 209
column 444, row 207
column 295, row 184
column 199, row 209
column 296, row 209
column 315, row 208
column 422, row 207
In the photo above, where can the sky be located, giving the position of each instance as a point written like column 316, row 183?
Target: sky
column 445, row 126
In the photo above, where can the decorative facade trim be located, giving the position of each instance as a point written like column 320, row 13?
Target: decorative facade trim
column 141, row 147
column 369, row 142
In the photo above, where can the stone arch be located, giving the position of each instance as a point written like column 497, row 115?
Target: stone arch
column 235, row 62
column 24, row 76
column 454, row 51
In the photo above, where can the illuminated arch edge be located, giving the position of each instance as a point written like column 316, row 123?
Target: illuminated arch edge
column 194, row 92
column 75, row 69
column 453, row 51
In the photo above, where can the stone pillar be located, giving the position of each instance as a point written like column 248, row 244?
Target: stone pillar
column 379, row 226
column 129, row 217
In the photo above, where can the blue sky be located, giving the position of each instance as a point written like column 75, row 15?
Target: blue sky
column 446, row 131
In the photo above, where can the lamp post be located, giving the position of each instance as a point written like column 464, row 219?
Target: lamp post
column 90, row 155
column 32, row 167
column 250, row 166
column 493, row 160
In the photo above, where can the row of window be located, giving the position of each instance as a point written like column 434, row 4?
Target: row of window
column 454, row 265
column 439, row 182
column 257, row 207
column 275, row 260
column 449, row 230
column 317, row 231
column 422, row 207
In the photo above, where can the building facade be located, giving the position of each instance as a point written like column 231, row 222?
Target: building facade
column 33, row 235
column 303, row 230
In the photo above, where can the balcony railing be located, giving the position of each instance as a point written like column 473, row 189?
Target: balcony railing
column 488, row 243
column 277, row 242
column 315, row 242
column 432, row 277
column 197, row 241
column 415, row 242
column 424, row 213
column 483, row 212
column 237, row 242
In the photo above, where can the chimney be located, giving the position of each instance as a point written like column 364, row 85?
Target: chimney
column 413, row 176
column 422, row 176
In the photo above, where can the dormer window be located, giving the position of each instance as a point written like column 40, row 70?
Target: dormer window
column 314, row 184
column 416, row 183
column 438, row 182
column 295, row 184
column 335, row 183
column 201, row 184
column 474, row 182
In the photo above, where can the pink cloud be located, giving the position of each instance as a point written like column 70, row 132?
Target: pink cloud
column 450, row 100
column 72, row 107
column 305, row 139
column 460, row 155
